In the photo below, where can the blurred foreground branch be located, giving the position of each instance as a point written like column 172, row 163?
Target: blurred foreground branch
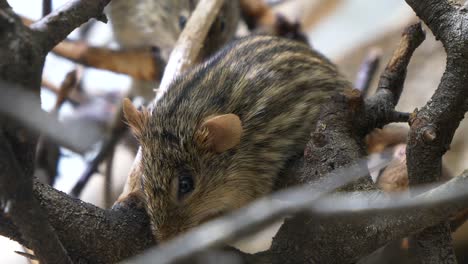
column 339, row 228
column 78, row 138
column 144, row 63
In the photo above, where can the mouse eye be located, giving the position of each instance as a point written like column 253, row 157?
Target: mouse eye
column 185, row 185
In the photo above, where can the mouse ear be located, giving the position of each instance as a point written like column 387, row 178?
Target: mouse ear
column 135, row 119
column 220, row 133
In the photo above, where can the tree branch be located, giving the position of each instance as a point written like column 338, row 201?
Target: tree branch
column 341, row 239
column 144, row 63
column 56, row 26
column 23, row 52
column 46, row 7
column 391, row 217
column 20, row 205
column 89, row 233
column 392, row 80
column 253, row 217
column 439, row 15
column 190, row 42
column 78, row 138
column 118, row 129
column 336, row 143
column 335, row 128
column 433, row 127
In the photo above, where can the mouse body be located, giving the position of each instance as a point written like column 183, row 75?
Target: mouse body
column 221, row 134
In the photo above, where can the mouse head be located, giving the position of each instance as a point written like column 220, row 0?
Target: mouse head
column 188, row 176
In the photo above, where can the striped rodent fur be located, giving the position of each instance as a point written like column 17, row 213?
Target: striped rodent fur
column 261, row 95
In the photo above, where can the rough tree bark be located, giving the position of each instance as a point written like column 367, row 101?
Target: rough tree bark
column 84, row 233
column 433, row 127
column 23, row 52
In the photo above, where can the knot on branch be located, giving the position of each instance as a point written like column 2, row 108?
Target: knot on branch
column 429, row 134
column 426, row 131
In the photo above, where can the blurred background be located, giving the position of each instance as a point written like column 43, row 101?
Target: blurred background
column 346, row 31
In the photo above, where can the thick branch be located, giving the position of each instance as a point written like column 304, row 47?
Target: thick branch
column 437, row 14
column 19, row 204
column 22, row 63
column 8, row 229
column 57, row 25
column 336, row 142
column 433, row 127
column 404, row 216
column 432, row 130
column 4, row 4
column 89, row 233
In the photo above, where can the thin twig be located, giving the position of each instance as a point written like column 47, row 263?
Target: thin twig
column 394, row 75
column 68, row 84
column 28, row 256
column 72, row 97
column 46, row 7
column 382, row 103
column 107, row 149
column 108, row 181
